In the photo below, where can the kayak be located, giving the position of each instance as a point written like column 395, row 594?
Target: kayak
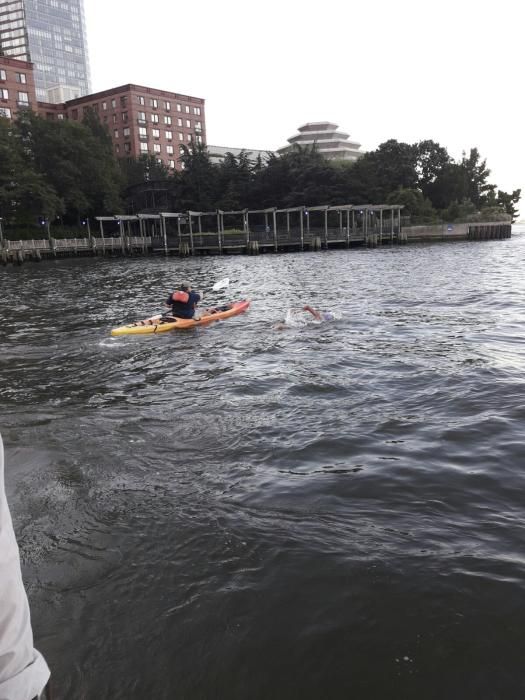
column 155, row 324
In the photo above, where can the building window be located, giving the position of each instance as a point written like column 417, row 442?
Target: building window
column 125, row 117
column 169, row 135
column 127, row 147
column 187, row 108
column 179, row 122
column 156, row 133
column 197, row 111
column 198, row 126
column 156, row 148
column 167, row 106
column 143, row 147
column 3, row 76
column 154, row 103
column 171, row 164
column 60, row 116
column 123, row 100
column 115, row 133
column 21, row 78
column 188, row 137
column 167, row 120
column 155, row 118
column 181, row 150
column 105, row 119
column 188, row 124
column 169, row 150
column 142, row 116
column 199, row 139
column 104, row 106
column 23, row 97
column 113, row 103
column 179, row 108
column 181, row 137
column 95, row 107
column 142, row 101
column 74, row 113
column 4, row 94
column 125, row 131
column 182, row 166
column 117, row 148
column 114, row 118
column 143, row 132
column 5, row 112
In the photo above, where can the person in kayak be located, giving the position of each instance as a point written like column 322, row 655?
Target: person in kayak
column 183, row 302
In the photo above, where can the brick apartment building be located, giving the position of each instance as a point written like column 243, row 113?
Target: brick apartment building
column 17, row 86
column 140, row 120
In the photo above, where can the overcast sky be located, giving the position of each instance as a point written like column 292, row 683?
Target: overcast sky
column 451, row 71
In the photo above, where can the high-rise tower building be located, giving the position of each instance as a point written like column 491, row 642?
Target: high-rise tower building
column 52, row 35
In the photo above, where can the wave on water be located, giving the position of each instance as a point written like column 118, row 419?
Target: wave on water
column 298, row 318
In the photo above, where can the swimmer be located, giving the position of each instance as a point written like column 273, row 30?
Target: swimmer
column 318, row 315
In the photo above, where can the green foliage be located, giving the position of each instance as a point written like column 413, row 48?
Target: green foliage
column 418, row 207
column 68, row 169
column 142, row 169
column 50, row 168
column 197, row 189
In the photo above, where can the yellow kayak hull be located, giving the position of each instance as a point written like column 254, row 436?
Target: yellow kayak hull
column 153, row 325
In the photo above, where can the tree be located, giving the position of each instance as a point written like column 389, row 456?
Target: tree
column 418, row 207
column 24, row 192
column 431, row 159
column 476, row 173
column 450, row 185
column 76, row 160
column 145, row 167
column 509, row 203
column 197, row 186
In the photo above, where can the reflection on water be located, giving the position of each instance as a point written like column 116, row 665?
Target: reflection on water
column 232, row 512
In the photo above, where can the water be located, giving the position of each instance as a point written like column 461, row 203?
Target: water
column 330, row 511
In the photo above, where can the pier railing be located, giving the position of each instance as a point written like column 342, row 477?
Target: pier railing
column 36, row 249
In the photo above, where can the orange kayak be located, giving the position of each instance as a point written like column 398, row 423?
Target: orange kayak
column 156, row 325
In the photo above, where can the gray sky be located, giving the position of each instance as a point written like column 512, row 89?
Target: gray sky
column 450, row 71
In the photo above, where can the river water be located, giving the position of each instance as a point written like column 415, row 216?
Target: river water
column 332, row 511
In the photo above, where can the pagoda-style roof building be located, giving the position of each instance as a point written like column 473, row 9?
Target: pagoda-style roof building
column 330, row 142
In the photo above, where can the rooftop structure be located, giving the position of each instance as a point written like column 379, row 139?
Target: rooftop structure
column 326, row 138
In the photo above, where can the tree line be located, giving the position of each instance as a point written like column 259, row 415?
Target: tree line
column 68, row 171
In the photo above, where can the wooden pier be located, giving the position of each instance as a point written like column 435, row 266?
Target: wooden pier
column 255, row 231
column 247, row 232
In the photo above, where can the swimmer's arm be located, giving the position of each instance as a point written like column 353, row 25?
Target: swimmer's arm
column 314, row 313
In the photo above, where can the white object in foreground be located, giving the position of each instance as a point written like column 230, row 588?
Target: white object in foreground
column 23, row 670
column 221, row 284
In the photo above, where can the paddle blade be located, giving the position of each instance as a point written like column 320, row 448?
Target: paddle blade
column 221, row 284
